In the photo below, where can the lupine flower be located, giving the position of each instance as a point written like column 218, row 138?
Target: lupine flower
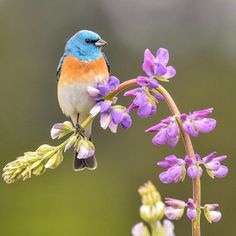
column 196, row 122
column 175, row 170
column 147, row 81
column 157, row 66
column 140, row 230
column 213, row 165
column 167, row 132
column 103, row 89
column 84, row 148
column 175, row 209
column 145, row 101
column 193, row 169
column 191, row 211
column 211, row 214
column 59, row 130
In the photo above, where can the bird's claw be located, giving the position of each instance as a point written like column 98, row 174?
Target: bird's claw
column 80, row 130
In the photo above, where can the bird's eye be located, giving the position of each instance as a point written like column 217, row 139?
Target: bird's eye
column 87, row 41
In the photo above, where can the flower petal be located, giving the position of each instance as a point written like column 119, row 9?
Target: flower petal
column 160, row 69
column 170, row 72
column 162, row 56
column 105, row 120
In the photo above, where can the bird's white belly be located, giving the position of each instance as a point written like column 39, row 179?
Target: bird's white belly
column 73, row 99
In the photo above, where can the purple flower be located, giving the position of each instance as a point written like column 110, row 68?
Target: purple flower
column 145, row 101
column 169, row 228
column 175, row 170
column 196, row 122
column 157, row 66
column 191, row 211
column 175, row 208
column 211, row 214
column 147, row 81
column 213, row 165
column 103, row 89
column 167, row 132
column 112, row 115
column 193, row 166
column 139, row 229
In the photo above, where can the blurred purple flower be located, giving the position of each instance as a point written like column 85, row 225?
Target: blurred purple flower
column 169, row 228
column 175, row 208
column 103, row 89
column 167, row 132
column 138, row 229
column 196, row 122
column 157, row 66
column 175, row 170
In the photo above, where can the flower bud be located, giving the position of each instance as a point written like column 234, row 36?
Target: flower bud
column 152, row 213
column 54, row 161
column 70, row 143
column 149, row 194
column 59, row 130
column 43, row 149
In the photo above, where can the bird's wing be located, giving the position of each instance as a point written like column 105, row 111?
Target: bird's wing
column 107, row 62
column 59, row 67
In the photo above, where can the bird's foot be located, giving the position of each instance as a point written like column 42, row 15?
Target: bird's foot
column 80, row 130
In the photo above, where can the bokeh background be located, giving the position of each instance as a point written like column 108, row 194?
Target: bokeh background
column 200, row 36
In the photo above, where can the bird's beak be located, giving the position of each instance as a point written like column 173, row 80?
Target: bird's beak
column 101, row 43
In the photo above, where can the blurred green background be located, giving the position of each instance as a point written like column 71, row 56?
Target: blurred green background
column 200, row 36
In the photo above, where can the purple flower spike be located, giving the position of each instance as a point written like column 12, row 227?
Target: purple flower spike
column 175, row 170
column 157, row 66
column 167, row 132
column 214, row 167
column 196, row 122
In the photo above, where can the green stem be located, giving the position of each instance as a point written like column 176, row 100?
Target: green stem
column 154, row 229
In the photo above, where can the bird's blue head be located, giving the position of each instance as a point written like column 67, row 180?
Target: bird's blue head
column 85, row 45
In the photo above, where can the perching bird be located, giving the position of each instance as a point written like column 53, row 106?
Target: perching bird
column 83, row 64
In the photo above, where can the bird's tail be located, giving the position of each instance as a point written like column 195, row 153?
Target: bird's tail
column 87, row 163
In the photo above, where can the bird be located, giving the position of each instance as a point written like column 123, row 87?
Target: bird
column 82, row 64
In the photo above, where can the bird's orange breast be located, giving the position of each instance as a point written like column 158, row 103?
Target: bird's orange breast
column 74, row 70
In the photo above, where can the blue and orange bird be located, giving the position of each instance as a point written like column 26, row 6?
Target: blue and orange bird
column 83, row 64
